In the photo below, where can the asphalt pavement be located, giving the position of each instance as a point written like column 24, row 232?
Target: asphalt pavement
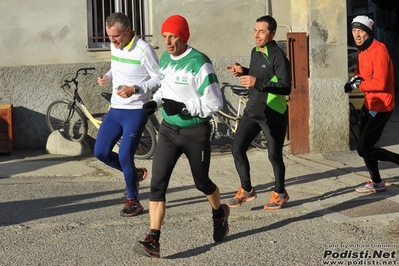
column 64, row 210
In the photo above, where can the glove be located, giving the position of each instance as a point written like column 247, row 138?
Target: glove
column 172, row 107
column 149, row 107
column 353, row 83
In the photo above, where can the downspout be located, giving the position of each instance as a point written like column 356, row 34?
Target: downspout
column 267, row 9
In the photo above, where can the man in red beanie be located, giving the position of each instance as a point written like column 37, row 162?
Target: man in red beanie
column 189, row 95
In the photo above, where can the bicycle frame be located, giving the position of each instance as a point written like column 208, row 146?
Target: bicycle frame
column 222, row 116
column 79, row 102
column 259, row 141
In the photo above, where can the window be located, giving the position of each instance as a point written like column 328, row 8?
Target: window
column 99, row 10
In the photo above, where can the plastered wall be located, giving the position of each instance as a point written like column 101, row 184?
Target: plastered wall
column 45, row 41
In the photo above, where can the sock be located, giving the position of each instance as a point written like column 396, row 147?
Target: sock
column 155, row 234
column 218, row 213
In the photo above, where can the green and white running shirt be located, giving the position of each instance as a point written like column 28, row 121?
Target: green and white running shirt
column 189, row 78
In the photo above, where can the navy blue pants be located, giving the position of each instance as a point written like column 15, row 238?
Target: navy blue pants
column 128, row 124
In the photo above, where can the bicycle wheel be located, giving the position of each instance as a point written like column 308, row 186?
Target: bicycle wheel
column 147, row 144
column 71, row 123
column 260, row 141
column 353, row 121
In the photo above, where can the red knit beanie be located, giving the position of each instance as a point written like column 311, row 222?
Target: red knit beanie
column 177, row 25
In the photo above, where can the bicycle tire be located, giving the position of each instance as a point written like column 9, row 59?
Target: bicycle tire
column 72, row 124
column 353, row 121
column 148, row 142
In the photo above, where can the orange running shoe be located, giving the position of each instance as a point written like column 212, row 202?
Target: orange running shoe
column 276, row 201
column 241, row 197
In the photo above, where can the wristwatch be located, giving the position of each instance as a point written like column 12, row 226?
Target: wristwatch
column 185, row 111
column 136, row 90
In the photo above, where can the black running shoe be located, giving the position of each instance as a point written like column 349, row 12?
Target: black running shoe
column 131, row 208
column 221, row 225
column 149, row 247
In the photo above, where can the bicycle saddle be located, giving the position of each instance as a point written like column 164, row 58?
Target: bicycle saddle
column 241, row 92
column 107, row 96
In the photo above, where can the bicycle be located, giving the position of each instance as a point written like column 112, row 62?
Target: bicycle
column 232, row 120
column 70, row 118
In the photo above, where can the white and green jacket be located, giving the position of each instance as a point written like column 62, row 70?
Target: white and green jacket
column 135, row 64
column 189, row 78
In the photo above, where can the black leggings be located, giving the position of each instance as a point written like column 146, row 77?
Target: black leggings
column 370, row 131
column 247, row 130
column 173, row 141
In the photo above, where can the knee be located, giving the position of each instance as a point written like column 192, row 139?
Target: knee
column 275, row 158
column 237, row 151
column 207, row 188
column 157, row 195
column 363, row 150
column 100, row 154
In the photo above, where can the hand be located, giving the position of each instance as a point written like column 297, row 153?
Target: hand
column 353, row 83
column 348, row 88
column 149, row 107
column 247, row 81
column 122, row 91
column 127, row 91
column 102, row 80
column 172, row 107
column 235, row 69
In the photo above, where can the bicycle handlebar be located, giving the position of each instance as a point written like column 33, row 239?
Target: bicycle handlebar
column 84, row 70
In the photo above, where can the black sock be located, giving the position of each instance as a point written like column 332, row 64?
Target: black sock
column 155, row 234
column 218, row 213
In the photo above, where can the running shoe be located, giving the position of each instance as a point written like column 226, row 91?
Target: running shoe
column 142, row 174
column 131, row 208
column 241, row 197
column 221, row 224
column 276, row 201
column 372, row 187
column 149, row 247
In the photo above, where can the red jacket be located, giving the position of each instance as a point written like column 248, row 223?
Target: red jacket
column 375, row 66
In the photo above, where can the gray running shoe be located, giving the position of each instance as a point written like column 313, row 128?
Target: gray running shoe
column 241, row 197
column 371, row 187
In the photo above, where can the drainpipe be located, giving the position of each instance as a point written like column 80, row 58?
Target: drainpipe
column 267, row 10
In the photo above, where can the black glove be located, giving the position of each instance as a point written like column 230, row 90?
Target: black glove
column 172, row 107
column 353, row 83
column 149, row 107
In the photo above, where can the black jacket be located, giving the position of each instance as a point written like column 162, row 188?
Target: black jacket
column 264, row 67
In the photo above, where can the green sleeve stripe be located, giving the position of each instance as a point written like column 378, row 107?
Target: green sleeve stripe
column 125, row 60
column 211, row 78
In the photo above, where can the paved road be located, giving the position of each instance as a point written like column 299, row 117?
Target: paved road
column 65, row 211
column 57, row 210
